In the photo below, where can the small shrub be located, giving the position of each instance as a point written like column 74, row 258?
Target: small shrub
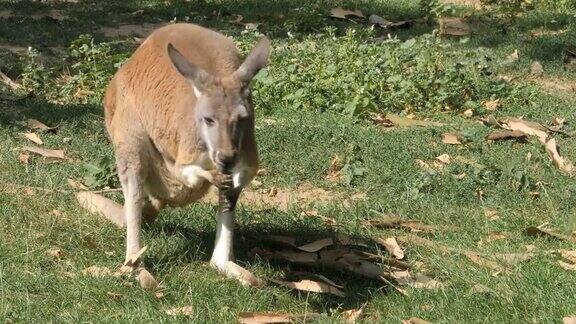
column 433, row 9
column 88, row 66
column 35, row 76
column 509, row 9
column 101, row 174
column 354, row 77
column 91, row 69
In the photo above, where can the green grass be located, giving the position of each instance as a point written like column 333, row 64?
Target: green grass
column 297, row 149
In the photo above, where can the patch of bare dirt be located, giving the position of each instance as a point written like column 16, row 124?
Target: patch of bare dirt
column 281, row 198
column 555, row 84
column 14, row 49
column 125, row 30
column 470, row 3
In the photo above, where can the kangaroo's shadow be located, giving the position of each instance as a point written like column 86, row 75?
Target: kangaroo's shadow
column 199, row 244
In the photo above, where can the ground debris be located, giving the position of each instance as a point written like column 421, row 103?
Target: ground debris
column 265, row 317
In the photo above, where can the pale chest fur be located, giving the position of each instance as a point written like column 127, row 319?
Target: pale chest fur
column 164, row 184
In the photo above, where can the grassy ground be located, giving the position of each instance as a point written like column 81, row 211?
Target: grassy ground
column 298, row 137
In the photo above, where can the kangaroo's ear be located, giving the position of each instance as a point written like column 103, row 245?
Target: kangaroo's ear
column 254, row 62
column 198, row 77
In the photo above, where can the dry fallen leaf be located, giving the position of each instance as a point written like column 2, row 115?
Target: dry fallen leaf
column 423, row 164
column 513, row 258
column 513, row 57
column 34, row 124
column 444, row 158
column 424, row 282
column 338, row 259
column 529, row 128
column 454, row 27
column 317, row 276
column 492, row 105
column 479, row 289
column 342, row 13
column 350, row 316
column 135, row 258
column 47, row 153
column 558, row 121
column 24, row 157
column 113, row 295
column 185, row 311
column 504, row 135
column 390, row 221
column 75, row 184
column 569, row 319
column 392, row 247
column 540, row 231
column 409, row 122
column 481, row 261
column 567, row 266
column 33, row 137
column 310, row 285
column 96, row 271
column 569, row 255
column 379, row 21
column 263, row 318
column 491, row 214
column 460, row 176
column 56, row 253
column 316, row 245
column 415, row 320
column 418, row 281
column 491, row 237
column 335, row 169
column 451, row 138
column 146, row 280
column 559, row 161
column 536, row 69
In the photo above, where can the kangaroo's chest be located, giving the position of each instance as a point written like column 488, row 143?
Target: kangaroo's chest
column 164, row 184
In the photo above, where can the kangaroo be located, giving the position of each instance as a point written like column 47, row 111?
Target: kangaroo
column 180, row 116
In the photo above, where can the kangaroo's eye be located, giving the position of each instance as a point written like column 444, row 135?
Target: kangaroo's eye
column 209, row 121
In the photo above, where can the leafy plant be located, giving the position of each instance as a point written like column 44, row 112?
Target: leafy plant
column 34, row 75
column 100, row 174
column 354, row 77
column 92, row 66
column 433, row 9
column 353, row 168
column 87, row 68
column 510, row 9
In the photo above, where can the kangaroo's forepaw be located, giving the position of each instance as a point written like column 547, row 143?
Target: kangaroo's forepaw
column 223, row 181
column 234, row 271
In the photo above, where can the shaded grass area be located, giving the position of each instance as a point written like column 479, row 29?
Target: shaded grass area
column 296, row 147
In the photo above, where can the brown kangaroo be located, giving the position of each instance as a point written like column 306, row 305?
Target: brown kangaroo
column 180, row 116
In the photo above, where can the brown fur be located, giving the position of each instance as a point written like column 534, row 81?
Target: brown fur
column 149, row 101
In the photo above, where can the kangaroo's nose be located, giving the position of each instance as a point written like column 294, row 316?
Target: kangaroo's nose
column 225, row 159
